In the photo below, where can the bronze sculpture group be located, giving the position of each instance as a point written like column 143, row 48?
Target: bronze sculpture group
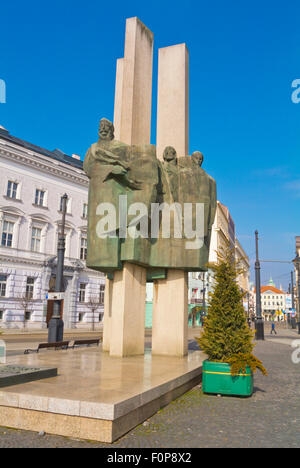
column 133, row 175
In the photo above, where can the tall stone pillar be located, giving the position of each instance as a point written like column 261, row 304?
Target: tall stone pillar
column 107, row 319
column 133, row 96
column 125, row 297
column 118, row 98
column 128, row 311
column 170, row 301
column 170, row 315
column 173, row 100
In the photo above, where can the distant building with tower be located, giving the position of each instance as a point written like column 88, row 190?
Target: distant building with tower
column 273, row 302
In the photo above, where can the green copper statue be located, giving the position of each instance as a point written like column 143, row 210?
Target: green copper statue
column 155, row 214
column 120, row 176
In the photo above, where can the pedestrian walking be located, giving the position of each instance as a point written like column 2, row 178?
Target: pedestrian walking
column 273, row 329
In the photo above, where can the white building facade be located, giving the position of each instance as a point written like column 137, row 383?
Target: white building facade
column 32, row 183
column 273, row 301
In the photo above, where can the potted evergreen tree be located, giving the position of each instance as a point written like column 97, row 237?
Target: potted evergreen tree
column 227, row 339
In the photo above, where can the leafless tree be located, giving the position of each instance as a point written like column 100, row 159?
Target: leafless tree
column 26, row 302
column 93, row 304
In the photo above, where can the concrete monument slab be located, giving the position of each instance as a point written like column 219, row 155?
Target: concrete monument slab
column 95, row 396
column 12, row 374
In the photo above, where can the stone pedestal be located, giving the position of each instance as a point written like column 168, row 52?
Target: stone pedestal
column 95, row 396
column 124, row 313
column 107, row 314
column 170, row 315
column 132, row 113
column 173, row 100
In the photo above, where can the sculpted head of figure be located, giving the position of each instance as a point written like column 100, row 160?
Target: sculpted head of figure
column 169, row 154
column 106, row 130
column 197, row 158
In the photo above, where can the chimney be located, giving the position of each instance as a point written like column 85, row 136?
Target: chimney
column 76, row 156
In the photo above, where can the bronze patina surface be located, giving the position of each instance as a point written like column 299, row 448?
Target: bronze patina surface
column 120, row 173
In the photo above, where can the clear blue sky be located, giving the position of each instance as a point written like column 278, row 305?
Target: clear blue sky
column 58, row 61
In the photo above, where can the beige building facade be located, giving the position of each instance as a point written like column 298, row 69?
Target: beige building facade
column 223, row 233
column 243, row 260
column 273, row 303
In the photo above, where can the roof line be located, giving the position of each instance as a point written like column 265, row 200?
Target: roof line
column 56, row 154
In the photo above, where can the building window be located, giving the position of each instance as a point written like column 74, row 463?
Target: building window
column 36, row 239
column 100, row 316
column 28, row 315
column 101, row 296
column 39, row 197
column 7, row 234
column 68, row 205
column 1, row 315
column 81, row 317
column 12, row 188
column 85, row 210
column 29, row 288
column 3, row 280
column 82, row 290
column 83, row 248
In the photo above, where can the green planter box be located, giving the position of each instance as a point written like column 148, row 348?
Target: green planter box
column 217, row 379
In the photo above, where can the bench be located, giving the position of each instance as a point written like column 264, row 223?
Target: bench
column 56, row 345
column 85, row 342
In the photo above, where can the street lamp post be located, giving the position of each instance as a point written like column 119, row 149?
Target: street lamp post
column 259, row 324
column 292, row 320
column 296, row 262
column 56, row 324
column 204, row 292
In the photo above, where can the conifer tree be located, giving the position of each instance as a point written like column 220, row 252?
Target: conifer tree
column 227, row 337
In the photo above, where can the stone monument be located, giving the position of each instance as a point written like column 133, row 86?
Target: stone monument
column 151, row 208
column 145, row 203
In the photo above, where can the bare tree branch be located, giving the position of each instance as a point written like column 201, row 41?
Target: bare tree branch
column 26, row 303
column 93, row 304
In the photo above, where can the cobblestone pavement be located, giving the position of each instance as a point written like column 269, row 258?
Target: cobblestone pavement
column 271, row 418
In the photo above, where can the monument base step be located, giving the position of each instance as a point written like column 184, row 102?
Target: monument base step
column 96, row 397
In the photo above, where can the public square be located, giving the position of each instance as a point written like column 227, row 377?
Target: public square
column 149, row 234
column 270, row 418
